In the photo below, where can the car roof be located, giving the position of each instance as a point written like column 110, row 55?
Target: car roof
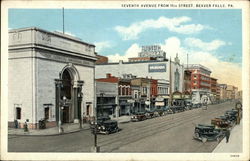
column 203, row 126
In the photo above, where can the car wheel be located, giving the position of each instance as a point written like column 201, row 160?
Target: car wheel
column 196, row 135
column 204, row 140
column 107, row 132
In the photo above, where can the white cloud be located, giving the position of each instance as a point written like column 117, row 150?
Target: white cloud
column 172, row 24
column 132, row 51
column 205, row 46
column 225, row 72
column 102, row 45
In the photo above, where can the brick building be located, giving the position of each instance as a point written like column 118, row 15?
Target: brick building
column 213, row 88
column 200, row 83
column 101, row 59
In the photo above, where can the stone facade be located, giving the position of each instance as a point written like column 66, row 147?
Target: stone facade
column 38, row 57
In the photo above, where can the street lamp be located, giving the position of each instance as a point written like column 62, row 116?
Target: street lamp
column 96, row 148
column 60, row 122
column 102, row 101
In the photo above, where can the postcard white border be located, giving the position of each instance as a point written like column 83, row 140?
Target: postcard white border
column 244, row 5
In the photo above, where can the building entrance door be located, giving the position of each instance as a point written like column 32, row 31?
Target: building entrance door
column 65, row 114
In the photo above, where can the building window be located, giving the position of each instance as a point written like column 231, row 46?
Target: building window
column 135, row 94
column 46, row 113
column 127, row 93
column 119, row 90
column 18, row 113
column 123, row 91
column 176, row 80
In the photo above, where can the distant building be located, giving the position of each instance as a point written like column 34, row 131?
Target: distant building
column 200, row 83
column 223, row 91
column 158, row 70
column 218, row 92
column 102, row 59
column 187, row 84
column 213, row 88
column 139, row 59
column 239, row 95
column 107, row 98
column 231, row 92
column 124, row 93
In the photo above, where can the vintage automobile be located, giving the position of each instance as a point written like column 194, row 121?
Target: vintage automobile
column 207, row 133
column 176, row 109
column 167, row 110
column 221, row 123
column 188, row 104
column 139, row 116
column 105, row 125
column 149, row 114
column 231, row 115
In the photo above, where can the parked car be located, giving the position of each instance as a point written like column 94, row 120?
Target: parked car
column 149, row 114
column 207, row 133
column 139, row 116
column 231, row 115
column 105, row 125
column 188, row 104
column 221, row 123
column 176, row 109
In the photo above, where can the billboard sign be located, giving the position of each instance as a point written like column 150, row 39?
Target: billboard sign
column 157, row 68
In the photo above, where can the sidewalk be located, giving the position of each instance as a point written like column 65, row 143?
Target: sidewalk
column 234, row 144
column 68, row 128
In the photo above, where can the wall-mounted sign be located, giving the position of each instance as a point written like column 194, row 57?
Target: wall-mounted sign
column 159, row 103
column 157, row 68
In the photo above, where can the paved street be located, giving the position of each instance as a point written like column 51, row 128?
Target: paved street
column 171, row 133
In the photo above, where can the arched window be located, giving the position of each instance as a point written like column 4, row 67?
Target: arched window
column 67, row 85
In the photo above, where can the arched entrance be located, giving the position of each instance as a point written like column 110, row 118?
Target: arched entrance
column 68, row 95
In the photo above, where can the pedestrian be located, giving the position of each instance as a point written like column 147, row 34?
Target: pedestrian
column 227, row 135
column 26, row 127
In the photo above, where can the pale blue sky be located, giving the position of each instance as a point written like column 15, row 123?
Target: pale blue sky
column 100, row 27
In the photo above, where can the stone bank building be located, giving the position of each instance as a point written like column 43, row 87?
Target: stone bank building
column 50, row 73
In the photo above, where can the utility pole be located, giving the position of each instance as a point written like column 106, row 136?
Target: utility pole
column 170, row 83
column 63, row 18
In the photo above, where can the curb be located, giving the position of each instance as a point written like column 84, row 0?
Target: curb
column 56, row 134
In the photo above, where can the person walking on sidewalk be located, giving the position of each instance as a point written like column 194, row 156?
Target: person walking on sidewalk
column 227, row 135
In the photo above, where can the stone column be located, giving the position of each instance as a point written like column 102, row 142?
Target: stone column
column 74, row 103
column 77, row 101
